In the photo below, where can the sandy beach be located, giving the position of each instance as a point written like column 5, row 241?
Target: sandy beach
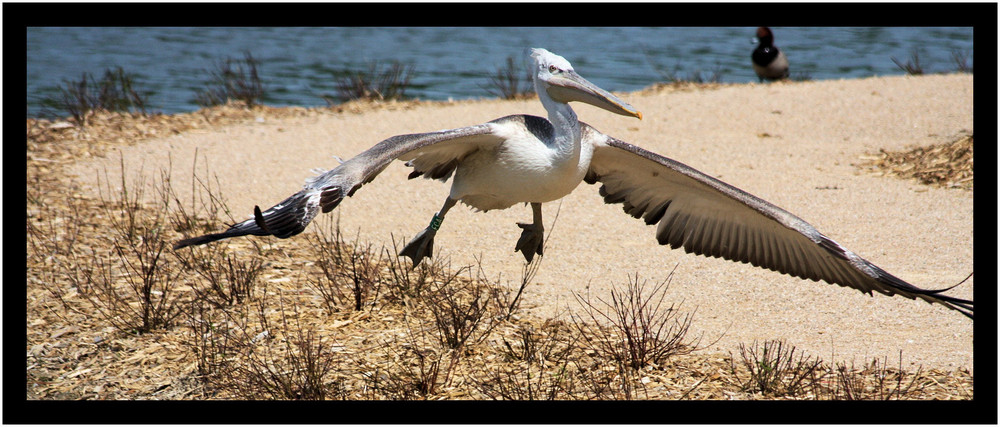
column 793, row 144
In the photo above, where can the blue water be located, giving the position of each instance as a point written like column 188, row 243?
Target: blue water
column 300, row 64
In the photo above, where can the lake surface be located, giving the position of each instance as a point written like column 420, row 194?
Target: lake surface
column 298, row 65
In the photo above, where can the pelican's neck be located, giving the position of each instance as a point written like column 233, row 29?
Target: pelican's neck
column 565, row 124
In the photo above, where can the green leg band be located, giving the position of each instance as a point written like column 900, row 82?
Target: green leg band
column 436, row 222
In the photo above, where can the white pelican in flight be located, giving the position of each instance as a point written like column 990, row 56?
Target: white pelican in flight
column 529, row 159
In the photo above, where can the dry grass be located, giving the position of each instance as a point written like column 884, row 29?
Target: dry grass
column 245, row 319
column 946, row 165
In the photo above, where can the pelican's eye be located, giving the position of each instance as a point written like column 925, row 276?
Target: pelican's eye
column 553, row 69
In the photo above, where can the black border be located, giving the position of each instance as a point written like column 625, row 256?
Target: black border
column 981, row 410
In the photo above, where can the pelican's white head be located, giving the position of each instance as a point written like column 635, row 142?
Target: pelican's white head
column 555, row 80
column 548, row 63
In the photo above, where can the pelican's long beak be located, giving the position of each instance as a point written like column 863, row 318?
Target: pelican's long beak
column 570, row 86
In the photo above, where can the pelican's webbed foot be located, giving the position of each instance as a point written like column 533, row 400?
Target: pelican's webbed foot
column 533, row 235
column 421, row 246
column 531, row 240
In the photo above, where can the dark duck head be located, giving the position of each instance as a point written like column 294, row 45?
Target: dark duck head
column 769, row 62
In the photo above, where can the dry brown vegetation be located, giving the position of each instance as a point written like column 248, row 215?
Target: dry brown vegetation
column 946, row 165
column 114, row 313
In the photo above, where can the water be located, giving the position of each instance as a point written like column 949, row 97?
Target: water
column 298, row 65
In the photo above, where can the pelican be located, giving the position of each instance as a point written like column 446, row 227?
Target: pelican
column 528, row 159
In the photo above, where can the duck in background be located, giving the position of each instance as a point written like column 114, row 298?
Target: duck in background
column 769, row 62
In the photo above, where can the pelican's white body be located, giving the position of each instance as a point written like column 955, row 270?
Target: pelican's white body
column 522, row 169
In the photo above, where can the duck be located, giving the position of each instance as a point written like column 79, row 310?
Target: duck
column 769, row 62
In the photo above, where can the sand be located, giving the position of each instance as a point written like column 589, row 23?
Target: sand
column 793, row 144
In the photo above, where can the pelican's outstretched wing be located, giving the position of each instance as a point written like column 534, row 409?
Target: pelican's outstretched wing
column 709, row 217
column 433, row 154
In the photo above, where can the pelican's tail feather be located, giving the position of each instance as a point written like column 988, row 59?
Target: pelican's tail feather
column 283, row 220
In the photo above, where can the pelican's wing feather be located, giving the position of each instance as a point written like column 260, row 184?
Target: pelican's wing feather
column 434, row 153
column 708, row 217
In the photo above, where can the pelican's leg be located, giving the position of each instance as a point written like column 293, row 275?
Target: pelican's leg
column 423, row 244
column 530, row 242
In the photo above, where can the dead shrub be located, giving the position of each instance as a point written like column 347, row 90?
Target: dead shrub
column 539, row 365
column 876, row 381
column 461, row 308
column 414, row 368
column 132, row 286
column 633, row 328
column 288, row 361
column 351, row 273
column 773, row 369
